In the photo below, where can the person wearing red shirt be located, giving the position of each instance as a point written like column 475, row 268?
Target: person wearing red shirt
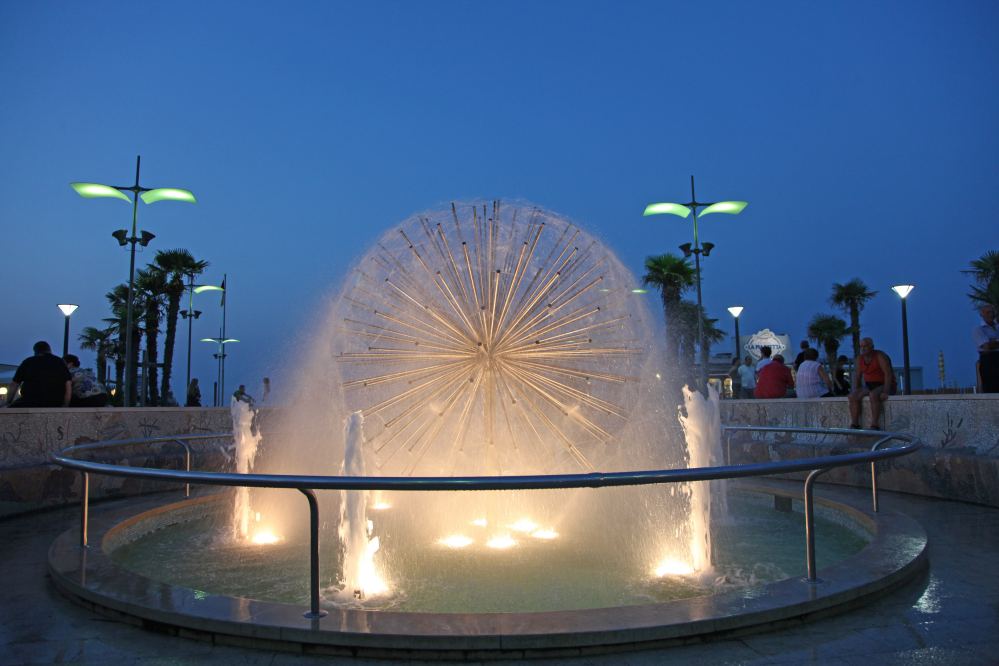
column 775, row 380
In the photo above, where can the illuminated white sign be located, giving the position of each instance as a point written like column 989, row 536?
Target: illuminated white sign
column 766, row 338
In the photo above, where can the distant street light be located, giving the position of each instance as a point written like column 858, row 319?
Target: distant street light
column 736, row 311
column 683, row 210
column 91, row 190
column 903, row 291
column 66, row 310
column 193, row 314
column 220, row 341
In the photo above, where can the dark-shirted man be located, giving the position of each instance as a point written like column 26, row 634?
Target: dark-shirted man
column 800, row 358
column 986, row 337
column 874, row 378
column 44, row 380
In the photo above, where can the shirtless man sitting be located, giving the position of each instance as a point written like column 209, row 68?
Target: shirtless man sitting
column 874, row 378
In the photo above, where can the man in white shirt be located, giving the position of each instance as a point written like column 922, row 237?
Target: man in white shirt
column 987, row 341
column 748, row 376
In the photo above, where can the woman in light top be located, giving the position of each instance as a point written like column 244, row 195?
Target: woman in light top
column 813, row 382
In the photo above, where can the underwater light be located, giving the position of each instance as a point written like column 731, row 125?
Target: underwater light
column 456, row 541
column 673, row 568
column 264, row 538
column 481, row 522
column 544, row 534
column 501, row 542
column 380, row 506
column 523, row 526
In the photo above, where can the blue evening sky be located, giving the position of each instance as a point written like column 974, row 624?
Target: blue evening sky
column 859, row 132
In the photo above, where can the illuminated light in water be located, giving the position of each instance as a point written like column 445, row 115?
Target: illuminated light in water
column 673, row 568
column 371, row 582
column 258, row 516
column 456, row 541
column 380, row 506
column 544, row 534
column 523, row 526
column 501, row 542
column 264, row 538
column 481, row 522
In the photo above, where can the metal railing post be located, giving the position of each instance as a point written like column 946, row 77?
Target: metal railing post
column 84, row 506
column 315, row 613
column 187, row 451
column 874, row 473
column 810, row 524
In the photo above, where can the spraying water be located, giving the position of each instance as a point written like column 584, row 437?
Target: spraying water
column 245, row 441
column 359, row 577
column 702, row 426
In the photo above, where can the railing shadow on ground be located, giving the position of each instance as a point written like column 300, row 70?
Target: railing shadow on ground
column 307, row 485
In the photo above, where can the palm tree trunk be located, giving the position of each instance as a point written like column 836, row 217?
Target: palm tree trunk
column 152, row 322
column 855, row 323
column 136, row 341
column 173, row 310
column 119, row 376
column 102, row 361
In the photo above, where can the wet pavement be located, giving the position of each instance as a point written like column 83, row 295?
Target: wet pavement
column 947, row 615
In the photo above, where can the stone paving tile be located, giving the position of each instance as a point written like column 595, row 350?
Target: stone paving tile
column 931, row 656
column 704, row 654
column 796, row 648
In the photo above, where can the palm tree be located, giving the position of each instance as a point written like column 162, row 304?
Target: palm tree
column 102, row 342
column 828, row 330
column 118, row 322
column 851, row 299
column 178, row 265
column 671, row 275
column 985, row 271
column 686, row 326
column 152, row 282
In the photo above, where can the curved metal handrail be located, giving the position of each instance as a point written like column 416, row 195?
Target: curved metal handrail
column 308, row 484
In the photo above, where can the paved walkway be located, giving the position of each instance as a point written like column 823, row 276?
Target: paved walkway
column 949, row 615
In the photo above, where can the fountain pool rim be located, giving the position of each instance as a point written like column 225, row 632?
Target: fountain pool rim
column 896, row 553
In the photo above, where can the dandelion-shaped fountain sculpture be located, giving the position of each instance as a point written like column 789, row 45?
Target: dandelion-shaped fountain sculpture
column 501, row 344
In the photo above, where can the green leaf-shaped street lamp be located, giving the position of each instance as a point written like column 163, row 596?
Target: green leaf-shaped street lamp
column 93, row 190
column 683, row 210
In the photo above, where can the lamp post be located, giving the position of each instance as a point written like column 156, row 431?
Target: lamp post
column 683, row 210
column 736, row 311
column 67, row 310
column 903, row 291
column 220, row 341
column 193, row 314
column 91, row 190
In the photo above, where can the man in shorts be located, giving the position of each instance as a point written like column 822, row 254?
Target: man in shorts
column 874, row 378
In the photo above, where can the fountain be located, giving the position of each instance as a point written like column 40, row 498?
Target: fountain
column 483, row 340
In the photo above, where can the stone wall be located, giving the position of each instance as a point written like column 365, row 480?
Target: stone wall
column 960, row 434
column 29, row 437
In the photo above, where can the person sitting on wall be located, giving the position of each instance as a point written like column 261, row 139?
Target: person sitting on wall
column 765, row 360
column 87, row 391
column 44, row 380
column 800, row 358
column 874, row 377
column 813, row 382
column 986, row 337
column 775, row 380
column 242, row 396
column 839, row 377
column 193, row 394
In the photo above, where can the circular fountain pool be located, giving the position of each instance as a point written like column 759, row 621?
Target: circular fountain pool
column 528, row 568
column 159, row 569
